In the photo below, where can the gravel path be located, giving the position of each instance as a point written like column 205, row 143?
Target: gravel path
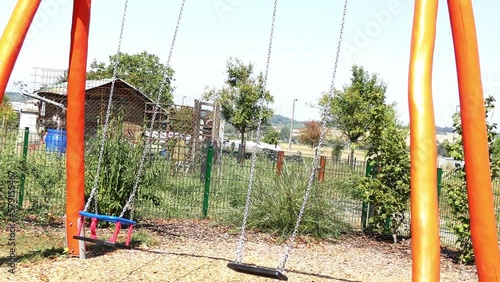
column 196, row 251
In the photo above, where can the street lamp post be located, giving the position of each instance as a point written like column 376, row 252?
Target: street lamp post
column 457, row 110
column 183, row 100
column 291, row 126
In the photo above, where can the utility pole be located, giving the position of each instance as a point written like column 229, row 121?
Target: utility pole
column 291, row 126
column 457, row 110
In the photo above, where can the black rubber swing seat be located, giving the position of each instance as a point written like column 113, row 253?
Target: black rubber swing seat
column 102, row 242
column 258, row 271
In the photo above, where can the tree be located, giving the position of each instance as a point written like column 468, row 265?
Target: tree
column 284, row 133
column 350, row 108
column 8, row 117
column 271, row 137
column 389, row 188
column 337, row 146
column 441, row 149
column 311, row 133
column 142, row 70
column 456, row 191
column 242, row 99
column 495, row 157
column 181, row 120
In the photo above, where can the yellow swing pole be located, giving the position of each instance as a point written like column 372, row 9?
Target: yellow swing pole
column 423, row 152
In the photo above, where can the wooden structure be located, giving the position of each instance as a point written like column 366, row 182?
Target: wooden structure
column 128, row 102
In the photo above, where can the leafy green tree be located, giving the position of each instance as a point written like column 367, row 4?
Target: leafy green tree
column 142, row 70
column 350, row 109
column 389, row 190
column 456, row 191
column 271, row 137
column 181, row 120
column 311, row 133
column 242, row 98
column 284, row 133
column 495, row 157
column 337, row 146
column 8, row 117
column 441, row 149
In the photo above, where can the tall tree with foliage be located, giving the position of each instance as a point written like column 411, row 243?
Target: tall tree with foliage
column 242, row 98
column 456, row 191
column 389, row 188
column 142, row 70
column 350, row 108
column 311, row 133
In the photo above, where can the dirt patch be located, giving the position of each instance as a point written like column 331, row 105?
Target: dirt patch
column 199, row 251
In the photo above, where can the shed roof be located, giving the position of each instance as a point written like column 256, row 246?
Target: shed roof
column 62, row 88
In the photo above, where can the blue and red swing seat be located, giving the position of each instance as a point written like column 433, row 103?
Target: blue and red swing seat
column 113, row 219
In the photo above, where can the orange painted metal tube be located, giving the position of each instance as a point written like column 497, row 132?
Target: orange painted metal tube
column 475, row 139
column 13, row 38
column 75, row 124
column 423, row 151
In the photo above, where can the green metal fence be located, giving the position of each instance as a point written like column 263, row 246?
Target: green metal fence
column 213, row 186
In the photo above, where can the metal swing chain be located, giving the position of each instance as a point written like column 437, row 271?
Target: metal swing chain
column 108, row 114
column 288, row 247
column 166, row 83
column 239, row 248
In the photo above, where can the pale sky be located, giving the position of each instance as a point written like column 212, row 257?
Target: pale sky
column 377, row 36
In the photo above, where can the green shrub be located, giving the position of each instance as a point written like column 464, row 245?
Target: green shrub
column 118, row 169
column 46, row 176
column 10, row 162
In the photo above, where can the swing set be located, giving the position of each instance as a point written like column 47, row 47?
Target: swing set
column 424, row 204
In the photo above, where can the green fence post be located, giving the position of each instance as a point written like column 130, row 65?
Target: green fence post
column 23, row 165
column 208, row 175
column 364, row 208
column 439, row 180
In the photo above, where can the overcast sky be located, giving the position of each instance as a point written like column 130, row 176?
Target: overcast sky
column 377, row 36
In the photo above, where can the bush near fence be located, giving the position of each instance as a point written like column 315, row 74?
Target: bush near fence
column 174, row 188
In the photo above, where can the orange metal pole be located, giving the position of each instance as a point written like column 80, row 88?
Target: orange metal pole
column 13, row 38
column 475, row 139
column 75, row 124
column 424, row 199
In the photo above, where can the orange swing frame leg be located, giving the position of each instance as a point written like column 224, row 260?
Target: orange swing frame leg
column 424, row 218
column 424, row 199
column 75, row 123
column 476, row 153
column 13, row 38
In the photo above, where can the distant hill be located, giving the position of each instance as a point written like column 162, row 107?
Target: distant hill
column 445, row 129
column 280, row 121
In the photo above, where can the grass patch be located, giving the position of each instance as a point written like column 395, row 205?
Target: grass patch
column 33, row 245
column 144, row 237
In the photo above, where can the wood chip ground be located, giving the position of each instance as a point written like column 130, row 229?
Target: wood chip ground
column 197, row 251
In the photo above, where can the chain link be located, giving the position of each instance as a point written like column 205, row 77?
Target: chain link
column 288, row 247
column 108, row 113
column 262, row 104
column 166, row 83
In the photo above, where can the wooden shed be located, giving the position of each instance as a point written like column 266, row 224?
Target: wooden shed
column 127, row 101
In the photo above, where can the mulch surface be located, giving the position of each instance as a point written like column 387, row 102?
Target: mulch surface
column 199, row 251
